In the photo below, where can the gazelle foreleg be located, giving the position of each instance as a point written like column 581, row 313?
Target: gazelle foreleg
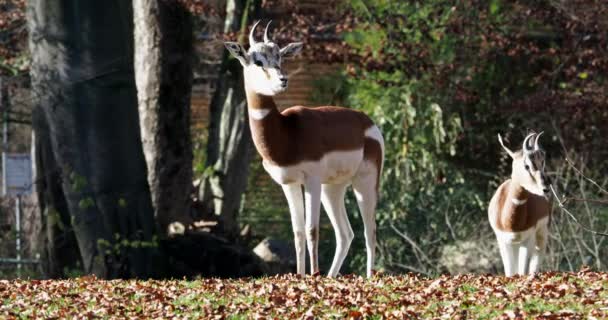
column 312, row 197
column 525, row 252
column 332, row 197
column 509, row 256
column 295, row 200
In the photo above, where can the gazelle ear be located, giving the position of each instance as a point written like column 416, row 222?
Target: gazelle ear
column 511, row 154
column 291, row 49
column 237, row 51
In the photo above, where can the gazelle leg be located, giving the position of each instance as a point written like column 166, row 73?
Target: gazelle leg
column 365, row 192
column 332, row 197
column 509, row 257
column 295, row 200
column 525, row 251
column 538, row 250
column 313, row 206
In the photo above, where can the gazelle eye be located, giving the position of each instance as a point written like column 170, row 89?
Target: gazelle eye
column 258, row 63
column 527, row 167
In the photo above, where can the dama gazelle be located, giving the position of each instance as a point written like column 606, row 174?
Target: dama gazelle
column 519, row 211
column 324, row 149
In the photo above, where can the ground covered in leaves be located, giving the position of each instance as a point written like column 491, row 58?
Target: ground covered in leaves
column 580, row 295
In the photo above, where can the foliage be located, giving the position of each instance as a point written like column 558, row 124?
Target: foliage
column 441, row 78
column 422, row 190
column 547, row 296
column 14, row 58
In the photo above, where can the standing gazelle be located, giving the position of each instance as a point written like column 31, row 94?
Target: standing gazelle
column 324, row 149
column 519, row 210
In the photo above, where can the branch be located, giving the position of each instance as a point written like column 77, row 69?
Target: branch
column 561, row 205
column 584, row 176
column 412, row 243
column 600, row 201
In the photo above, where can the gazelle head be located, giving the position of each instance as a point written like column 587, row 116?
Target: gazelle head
column 529, row 165
column 262, row 63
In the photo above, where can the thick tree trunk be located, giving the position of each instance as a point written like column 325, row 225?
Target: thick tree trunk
column 163, row 73
column 59, row 247
column 82, row 77
column 229, row 148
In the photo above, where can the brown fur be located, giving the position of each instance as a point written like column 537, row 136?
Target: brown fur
column 306, row 134
column 515, row 218
column 372, row 151
column 313, row 235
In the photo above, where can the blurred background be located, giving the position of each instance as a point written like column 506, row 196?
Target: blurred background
column 127, row 153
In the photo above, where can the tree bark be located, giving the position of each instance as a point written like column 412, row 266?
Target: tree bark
column 84, row 86
column 59, row 246
column 163, row 72
column 229, row 148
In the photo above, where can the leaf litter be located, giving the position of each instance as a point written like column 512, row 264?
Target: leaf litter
column 549, row 295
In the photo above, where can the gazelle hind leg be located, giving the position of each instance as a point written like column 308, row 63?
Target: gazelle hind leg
column 295, row 200
column 364, row 186
column 538, row 251
column 332, row 197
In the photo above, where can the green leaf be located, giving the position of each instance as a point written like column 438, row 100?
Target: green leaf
column 494, row 7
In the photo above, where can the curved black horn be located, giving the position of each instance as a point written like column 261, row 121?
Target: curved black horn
column 266, row 37
column 526, row 145
column 251, row 38
column 536, row 145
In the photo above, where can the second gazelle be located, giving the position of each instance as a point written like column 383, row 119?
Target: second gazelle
column 324, row 149
column 519, row 211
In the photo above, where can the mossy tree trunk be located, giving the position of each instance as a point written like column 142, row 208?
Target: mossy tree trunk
column 229, row 148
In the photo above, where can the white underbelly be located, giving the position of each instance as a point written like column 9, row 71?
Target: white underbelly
column 519, row 236
column 334, row 168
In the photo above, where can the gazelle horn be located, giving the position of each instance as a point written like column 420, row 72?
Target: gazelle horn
column 536, row 145
column 266, row 38
column 252, row 41
column 526, row 146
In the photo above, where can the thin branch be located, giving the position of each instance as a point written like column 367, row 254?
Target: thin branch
column 584, row 176
column 600, row 201
column 412, row 243
column 448, row 223
column 561, row 205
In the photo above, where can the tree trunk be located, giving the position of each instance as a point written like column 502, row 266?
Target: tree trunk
column 83, row 81
column 229, row 148
column 59, row 247
column 163, row 73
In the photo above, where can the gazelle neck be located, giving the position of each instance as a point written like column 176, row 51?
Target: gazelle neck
column 517, row 195
column 256, row 101
column 268, row 129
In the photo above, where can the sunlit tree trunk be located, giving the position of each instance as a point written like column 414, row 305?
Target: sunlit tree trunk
column 163, row 73
column 229, row 149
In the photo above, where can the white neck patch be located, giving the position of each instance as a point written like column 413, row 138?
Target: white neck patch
column 518, row 202
column 258, row 114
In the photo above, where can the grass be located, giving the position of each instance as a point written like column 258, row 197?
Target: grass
column 550, row 295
